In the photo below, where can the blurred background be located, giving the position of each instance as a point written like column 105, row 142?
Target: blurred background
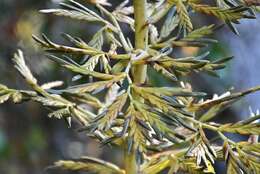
column 30, row 141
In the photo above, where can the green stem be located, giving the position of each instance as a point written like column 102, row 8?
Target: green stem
column 130, row 161
column 138, row 71
column 141, row 31
column 213, row 128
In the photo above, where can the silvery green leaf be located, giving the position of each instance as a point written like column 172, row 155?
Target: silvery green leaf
column 22, row 67
column 153, row 34
column 105, row 64
column 111, row 38
column 76, row 77
column 112, row 94
column 59, row 113
column 123, row 5
column 91, row 63
column 88, row 164
column 3, row 87
column 125, row 19
column 72, row 14
column 75, row 11
column 51, row 85
column 68, row 120
column 49, row 102
column 171, row 23
column 4, row 98
column 17, row 97
column 98, row 40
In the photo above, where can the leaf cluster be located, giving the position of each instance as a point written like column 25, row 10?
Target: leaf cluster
column 164, row 126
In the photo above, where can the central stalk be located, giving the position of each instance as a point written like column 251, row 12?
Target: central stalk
column 139, row 72
column 140, row 14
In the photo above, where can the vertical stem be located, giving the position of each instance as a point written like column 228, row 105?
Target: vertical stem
column 140, row 14
column 130, row 161
column 139, row 71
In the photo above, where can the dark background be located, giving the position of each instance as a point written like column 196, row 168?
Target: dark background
column 30, row 141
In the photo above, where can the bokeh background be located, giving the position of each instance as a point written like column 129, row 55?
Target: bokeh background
column 30, row 141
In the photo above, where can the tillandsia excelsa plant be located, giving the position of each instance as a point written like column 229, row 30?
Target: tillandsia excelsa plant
column 160, row 129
